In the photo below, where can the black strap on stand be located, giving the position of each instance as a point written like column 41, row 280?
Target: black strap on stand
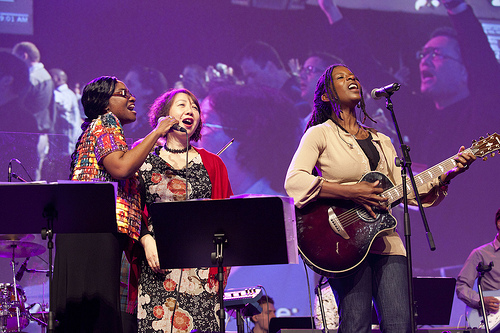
column 57, row 208
column 405, row 164
column 245, row 231
column 482, row 270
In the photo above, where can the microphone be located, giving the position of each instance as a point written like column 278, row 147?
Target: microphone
column 22, row 269
column 9, row 172
column 174, row 126
column 386, row 91
column 178, row 128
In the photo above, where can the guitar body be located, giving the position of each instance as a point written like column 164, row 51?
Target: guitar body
column 475, row 318
column 334, row 236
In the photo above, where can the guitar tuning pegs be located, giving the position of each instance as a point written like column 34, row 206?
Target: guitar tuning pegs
column 492, row 154
column 485, row 158
column 481, row 137
column 474, row 142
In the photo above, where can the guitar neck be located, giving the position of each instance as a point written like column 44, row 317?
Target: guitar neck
column 395, row 193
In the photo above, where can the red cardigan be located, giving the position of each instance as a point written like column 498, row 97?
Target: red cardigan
column 221, row 189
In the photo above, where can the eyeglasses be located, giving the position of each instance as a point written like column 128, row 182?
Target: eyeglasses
column 123, row 93
column 308, row 70
column 435, row 53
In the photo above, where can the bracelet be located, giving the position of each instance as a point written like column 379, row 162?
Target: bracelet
column 449, row 5
column 441, row 183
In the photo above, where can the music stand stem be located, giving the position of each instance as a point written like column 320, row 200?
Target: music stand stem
column 50, row 213
column 218, row 257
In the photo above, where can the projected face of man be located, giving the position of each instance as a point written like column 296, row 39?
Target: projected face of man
column 442, row 73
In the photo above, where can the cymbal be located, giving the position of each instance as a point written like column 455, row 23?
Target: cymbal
column 20, row 249
column 17, row 237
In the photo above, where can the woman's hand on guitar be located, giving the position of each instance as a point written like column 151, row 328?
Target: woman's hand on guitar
column 491, row 304
column 368, row 195
column 463, row 160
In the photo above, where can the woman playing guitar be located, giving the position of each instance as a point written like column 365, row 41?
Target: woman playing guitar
column 334, row 154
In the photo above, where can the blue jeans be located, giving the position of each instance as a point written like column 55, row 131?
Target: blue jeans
column 382, row 278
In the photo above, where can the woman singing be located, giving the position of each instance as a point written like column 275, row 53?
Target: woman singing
column 342, row 150
column 186, row 298
column 87, row 266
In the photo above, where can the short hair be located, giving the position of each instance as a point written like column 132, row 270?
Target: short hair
column 261, row 53
column 497, row 216
column 450, row 33
column 151, row 78
column 29, row 48
column 445, row 31
column 12, row 66
column 262, row 300
column 161, row 108
column 265, row 299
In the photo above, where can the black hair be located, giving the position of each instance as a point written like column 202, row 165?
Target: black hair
column 95, row 101
column 322, row 110
column 262, row 300
column 12, row 66
column 445, row 31
column 261, row 53
column 151, row 78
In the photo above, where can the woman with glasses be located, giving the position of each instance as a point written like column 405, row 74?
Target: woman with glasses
column 87, row 266
column 334, row 154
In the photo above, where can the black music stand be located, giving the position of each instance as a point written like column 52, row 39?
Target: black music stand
column 230, row 232
column 64, row 207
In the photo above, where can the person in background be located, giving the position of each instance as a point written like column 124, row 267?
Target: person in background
column 261, row 321
column 87, row 266
column 14, row 85
column 486, row 254
column 68, row 120
column 262, row 66
column 261, row 149
column 39, row 99
column 334, row 153
column 183, row 298
column 147, row 83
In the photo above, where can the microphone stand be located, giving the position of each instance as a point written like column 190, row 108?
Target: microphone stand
column 405, row 164
column 317, row 290
column 483, row 269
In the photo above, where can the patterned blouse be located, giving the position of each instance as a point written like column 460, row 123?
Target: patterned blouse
column 104, row 136
column 197, row 303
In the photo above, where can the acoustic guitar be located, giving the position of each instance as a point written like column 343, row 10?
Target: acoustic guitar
column 334, row 236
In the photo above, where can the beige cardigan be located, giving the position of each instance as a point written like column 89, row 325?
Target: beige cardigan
column 341, row 160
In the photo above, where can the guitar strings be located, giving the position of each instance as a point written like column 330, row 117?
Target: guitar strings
column 350, row 216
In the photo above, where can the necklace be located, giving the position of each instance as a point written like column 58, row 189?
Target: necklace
column 176, row 151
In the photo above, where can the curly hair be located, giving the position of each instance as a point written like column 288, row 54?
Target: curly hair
column 161, row 108
column 323, row 109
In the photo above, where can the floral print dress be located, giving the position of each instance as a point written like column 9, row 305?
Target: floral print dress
column 197, row 304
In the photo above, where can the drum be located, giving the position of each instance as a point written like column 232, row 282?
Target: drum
column 8, row 306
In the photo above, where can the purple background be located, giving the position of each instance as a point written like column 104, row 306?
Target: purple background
column 92, row 38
